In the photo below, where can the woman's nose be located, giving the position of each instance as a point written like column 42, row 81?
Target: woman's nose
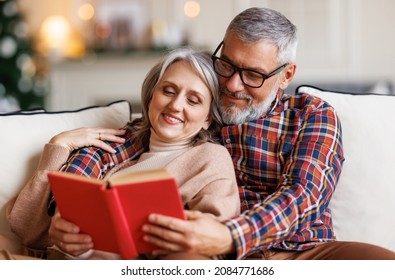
column 177, row 104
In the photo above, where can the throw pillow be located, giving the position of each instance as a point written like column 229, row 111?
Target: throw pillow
column 25, row 133
column 363, row 203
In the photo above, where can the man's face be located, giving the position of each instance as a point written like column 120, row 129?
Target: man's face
column 240, row 103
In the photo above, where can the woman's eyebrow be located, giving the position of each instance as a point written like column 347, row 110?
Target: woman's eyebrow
column 170, row 83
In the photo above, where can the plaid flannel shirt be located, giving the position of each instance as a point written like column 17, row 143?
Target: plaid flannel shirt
column 287, row 165
column 95, row 162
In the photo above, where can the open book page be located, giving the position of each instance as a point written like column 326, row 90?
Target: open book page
column 139, row 176
column 121, row 179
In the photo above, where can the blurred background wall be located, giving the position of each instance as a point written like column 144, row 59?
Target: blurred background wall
column 90, row 52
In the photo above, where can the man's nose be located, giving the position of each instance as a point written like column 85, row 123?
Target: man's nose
column 234, row 83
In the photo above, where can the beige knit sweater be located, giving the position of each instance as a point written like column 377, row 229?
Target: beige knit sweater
column 204, row 173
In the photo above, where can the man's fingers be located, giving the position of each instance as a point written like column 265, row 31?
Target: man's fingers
column 163, row 233
column 192, row 215
column 164, row 245
column 174, row 224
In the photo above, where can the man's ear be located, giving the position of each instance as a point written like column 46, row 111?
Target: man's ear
column 289, row 73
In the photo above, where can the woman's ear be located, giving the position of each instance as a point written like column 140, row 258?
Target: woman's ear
column 207, row 123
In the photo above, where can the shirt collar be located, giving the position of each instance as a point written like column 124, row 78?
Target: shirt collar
column 274, row 105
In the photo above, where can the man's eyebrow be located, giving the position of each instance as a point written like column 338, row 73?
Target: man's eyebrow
column 257, row 69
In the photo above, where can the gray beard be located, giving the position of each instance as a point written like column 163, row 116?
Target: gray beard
column 232, row 115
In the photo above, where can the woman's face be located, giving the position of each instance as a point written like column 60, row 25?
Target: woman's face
column 180, row 104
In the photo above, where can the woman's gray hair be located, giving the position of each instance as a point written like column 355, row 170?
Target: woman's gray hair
column 201, row 63
column 256, row 24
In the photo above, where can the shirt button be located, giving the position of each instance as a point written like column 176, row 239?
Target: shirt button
column 228, row 141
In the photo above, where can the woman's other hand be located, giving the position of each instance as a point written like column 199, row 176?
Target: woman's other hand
column 67, row 236
column 82, row 137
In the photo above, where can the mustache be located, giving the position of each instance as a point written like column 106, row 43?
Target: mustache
column 239, row 94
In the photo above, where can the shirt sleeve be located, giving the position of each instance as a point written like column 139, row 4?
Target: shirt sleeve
column 95, row 162
column 88, row 161
column 306, row 186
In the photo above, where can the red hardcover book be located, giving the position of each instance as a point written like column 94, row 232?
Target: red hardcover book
column 113, row 211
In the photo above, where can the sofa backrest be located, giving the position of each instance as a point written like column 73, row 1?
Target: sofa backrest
column 23, row 135
column 364, row 201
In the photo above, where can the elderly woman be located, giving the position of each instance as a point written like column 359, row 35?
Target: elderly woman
column 178, row 132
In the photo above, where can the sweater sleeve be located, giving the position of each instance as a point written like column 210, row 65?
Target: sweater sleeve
column 27, row 212
column 217, row 192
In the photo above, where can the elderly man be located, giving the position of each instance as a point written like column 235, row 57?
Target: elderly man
column 287, row 153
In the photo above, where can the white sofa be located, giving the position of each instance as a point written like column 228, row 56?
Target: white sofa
column 23, row 135
column 363, row 203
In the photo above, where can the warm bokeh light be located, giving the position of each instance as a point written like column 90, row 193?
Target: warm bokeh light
column 57, row 39
column 192, row 9
column 86, row 11
column 55, row 30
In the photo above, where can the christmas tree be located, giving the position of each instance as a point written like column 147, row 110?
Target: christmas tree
column 21, row 87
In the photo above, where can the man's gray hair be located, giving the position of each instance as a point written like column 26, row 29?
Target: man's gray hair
column 262, row 24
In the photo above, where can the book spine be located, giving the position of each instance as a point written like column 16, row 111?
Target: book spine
column 124, row 239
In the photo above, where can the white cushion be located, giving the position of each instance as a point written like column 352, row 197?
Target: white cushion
column 363, row 204
column 24, row 134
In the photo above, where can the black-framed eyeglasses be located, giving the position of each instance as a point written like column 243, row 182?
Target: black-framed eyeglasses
column 249, row 77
